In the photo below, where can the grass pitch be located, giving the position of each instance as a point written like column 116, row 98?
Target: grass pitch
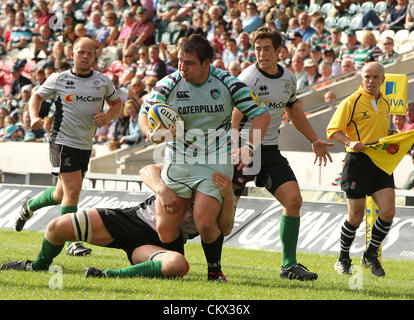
column 252, row 275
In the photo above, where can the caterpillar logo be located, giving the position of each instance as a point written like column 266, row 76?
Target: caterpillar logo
column 75, row 98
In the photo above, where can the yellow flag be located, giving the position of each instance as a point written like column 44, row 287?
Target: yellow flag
column 389, row 151
column 394, row 90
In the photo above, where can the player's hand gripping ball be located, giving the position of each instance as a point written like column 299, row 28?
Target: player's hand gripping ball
column 165, row 115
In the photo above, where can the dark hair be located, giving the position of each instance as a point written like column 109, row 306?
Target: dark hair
column 265, row 32
column 198, row 44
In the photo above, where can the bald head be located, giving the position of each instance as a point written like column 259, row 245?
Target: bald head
column 373, row 75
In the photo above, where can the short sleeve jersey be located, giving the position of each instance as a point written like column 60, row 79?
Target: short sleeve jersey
column 77, row 99
column 276, row 91
column 206, row 109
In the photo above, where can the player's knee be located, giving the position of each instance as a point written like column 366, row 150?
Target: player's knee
column 174, row 264
column 57, row 229
column 205, row 226
column 293, row 203
column 166, row 233
column 53, row 227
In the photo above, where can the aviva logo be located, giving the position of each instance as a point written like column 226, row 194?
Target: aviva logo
column 390, row 87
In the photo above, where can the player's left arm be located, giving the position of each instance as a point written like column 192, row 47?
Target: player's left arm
column 225, row 220
column 302, row 124
column 102, row 118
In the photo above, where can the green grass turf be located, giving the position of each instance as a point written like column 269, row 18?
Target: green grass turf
column 252, row 275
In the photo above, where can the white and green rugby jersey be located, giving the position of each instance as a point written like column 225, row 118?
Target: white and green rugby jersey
column 77, row 98
column 206, row 110
column 276, row 91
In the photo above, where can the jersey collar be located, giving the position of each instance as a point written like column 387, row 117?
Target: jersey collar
column 81, row 75
column 271, row 76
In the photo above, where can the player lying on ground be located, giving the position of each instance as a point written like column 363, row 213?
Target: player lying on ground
column 129, row 229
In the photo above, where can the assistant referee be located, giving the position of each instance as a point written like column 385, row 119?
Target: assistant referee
column 363, row 118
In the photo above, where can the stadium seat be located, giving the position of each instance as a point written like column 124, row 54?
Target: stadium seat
column 405, row 47
column 380, row 7
column 387, row 33
column 326, row 8
column 400, row 36
column 343, row 22
column 411, row 35
column 314, row 7
column 366, row 6
column 353, row 8
column 356, row 22
column 330, row 22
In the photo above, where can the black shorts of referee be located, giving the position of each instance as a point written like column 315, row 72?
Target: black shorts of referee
column 361, row 177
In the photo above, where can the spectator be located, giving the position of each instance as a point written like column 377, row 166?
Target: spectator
column 252, row 20
column 369, row 50
column 284, row 56
column 170, row 56
column 136, row 90
column 316, row 54
column 69, row 21
column 214, row 14
column 94, row 24
column 109, row 32
column 143, row 61
column 372, row 19
column 3, row 114
column 135, row 136
column 58, row 55
column 29, row 137
column 218, row 63
column 245, row 64
column 198, row 26
column 24, row 97
column 329, row 96
column 234, row 68
column 326, row 73
column 126, row 71
column 157, row 68
column 12, row 133
column 299, row 71
column 126, row 28
column 311, row 68
column 303, row 50
column 18, row 79
column 304, row 27
column 143, row 31
column 39, row 133
column 230, row 52
column 388, row 52
column 335, row 40
column 281, row 14
column 165, row 11
column 150, row 83
column 246, row 52
column 21, row 34
column 398, row 121
column 69, row 35
column 395, row 19
column 410, row 117
column 321, row 37
column 347, row 66
column 329, row 55
column 295, row 41
column 350, row 47
column 409, row 19
column 44, row 42
column 45, row 15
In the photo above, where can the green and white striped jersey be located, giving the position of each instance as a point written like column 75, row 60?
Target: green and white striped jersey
column 206, row 109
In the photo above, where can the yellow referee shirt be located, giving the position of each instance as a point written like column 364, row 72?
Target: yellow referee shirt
column 361, row 118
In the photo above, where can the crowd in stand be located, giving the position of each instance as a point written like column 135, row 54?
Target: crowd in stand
column 137, row 44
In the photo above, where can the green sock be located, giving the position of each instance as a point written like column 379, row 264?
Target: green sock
column 144, row 269
column 43, row 200
column 46, row 255
column 65, row 210
column 289, row 232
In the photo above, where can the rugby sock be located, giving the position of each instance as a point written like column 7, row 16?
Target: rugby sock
column 212, row 251
column 144, row 269
column 65, row 210
column 379, row 232
column 176, row 245
column 43, row 200
column 289, row 233
column 348, row 232
column 48, row 252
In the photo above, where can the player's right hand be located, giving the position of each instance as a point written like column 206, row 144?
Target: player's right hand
column 36, row 123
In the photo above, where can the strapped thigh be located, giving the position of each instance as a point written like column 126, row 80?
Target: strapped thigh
column 82, row 226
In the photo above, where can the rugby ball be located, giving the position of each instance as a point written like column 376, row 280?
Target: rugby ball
column 165, row 115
